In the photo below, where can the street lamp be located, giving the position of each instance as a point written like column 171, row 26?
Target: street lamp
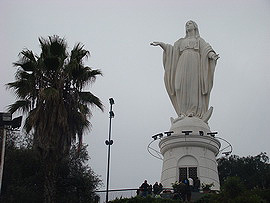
column 109, row 142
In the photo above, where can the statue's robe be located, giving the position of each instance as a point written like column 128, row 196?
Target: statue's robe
column 189, row 75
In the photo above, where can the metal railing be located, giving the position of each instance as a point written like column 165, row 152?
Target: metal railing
column 121, row 193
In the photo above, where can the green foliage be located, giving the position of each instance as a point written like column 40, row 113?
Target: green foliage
column 247, row 198
column 209, row 198
column 178, row 187
column 243, row 179
column 254, row 171
column 243, row 198
column 232, row 187
column 23, row 177
column 234, row 191
column 263, row 193
column 76, row 181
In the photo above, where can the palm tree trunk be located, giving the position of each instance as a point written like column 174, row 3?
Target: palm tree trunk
column 50, row 175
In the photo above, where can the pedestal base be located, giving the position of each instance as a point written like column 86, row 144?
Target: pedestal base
column 189, row 155
column 193, row 124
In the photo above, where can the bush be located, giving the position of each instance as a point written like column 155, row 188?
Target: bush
column 23, row 178
column 209, row 198
column 148, row 199
column 247, row 198
column 263, row 193
column 234, row 191
column 232, row 187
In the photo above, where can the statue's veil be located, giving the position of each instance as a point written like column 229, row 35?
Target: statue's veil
column 197, row 34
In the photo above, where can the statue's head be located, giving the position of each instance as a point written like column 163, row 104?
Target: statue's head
column 190, row 25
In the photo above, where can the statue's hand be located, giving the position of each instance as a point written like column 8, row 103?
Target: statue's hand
column 215, row 57
column 155, row 43
column 161, row 44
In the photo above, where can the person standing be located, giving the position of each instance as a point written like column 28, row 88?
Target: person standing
column 160, row 188
column 150, row 189
column 191, row 184
column 197, row 184
column 144, row 188
column 187, row 190
column 156, row 188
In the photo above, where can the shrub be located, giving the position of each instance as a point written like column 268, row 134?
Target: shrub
column 148, row 199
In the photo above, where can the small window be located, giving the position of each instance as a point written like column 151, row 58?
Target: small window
column 187, row 172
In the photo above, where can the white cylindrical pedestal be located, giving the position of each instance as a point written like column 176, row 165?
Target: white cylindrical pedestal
column 189, row 156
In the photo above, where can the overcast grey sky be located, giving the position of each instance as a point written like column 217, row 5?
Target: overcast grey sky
column 118, row 34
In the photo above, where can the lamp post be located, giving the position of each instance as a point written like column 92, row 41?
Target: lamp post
column 109, row 142
column 2, row 156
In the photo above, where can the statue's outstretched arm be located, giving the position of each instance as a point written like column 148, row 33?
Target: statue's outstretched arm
column 161, row 44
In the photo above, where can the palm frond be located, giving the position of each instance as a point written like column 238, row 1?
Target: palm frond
column 82, row 76
column 58, row 46
column 80, row 122
column 24, row 75
column 20, row 105
column 44, row 45
column 28, row 55
column 23, row 88
column 78, row 53
column 90, row 74
column 27, row 60
column 83, row 108
column 89, row 98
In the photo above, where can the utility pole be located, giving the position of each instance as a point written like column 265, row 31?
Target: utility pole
column 109, row 142
column 3, row 144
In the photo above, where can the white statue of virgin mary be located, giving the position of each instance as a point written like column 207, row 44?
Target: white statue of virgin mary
column 189, row 70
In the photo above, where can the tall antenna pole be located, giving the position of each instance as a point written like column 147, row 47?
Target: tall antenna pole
column 109, row 143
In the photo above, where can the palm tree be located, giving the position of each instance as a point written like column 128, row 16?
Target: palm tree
column 49, row 88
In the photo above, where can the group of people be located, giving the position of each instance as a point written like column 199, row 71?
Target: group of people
column 182, row 191
column 147, row 189
column 185, row 187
